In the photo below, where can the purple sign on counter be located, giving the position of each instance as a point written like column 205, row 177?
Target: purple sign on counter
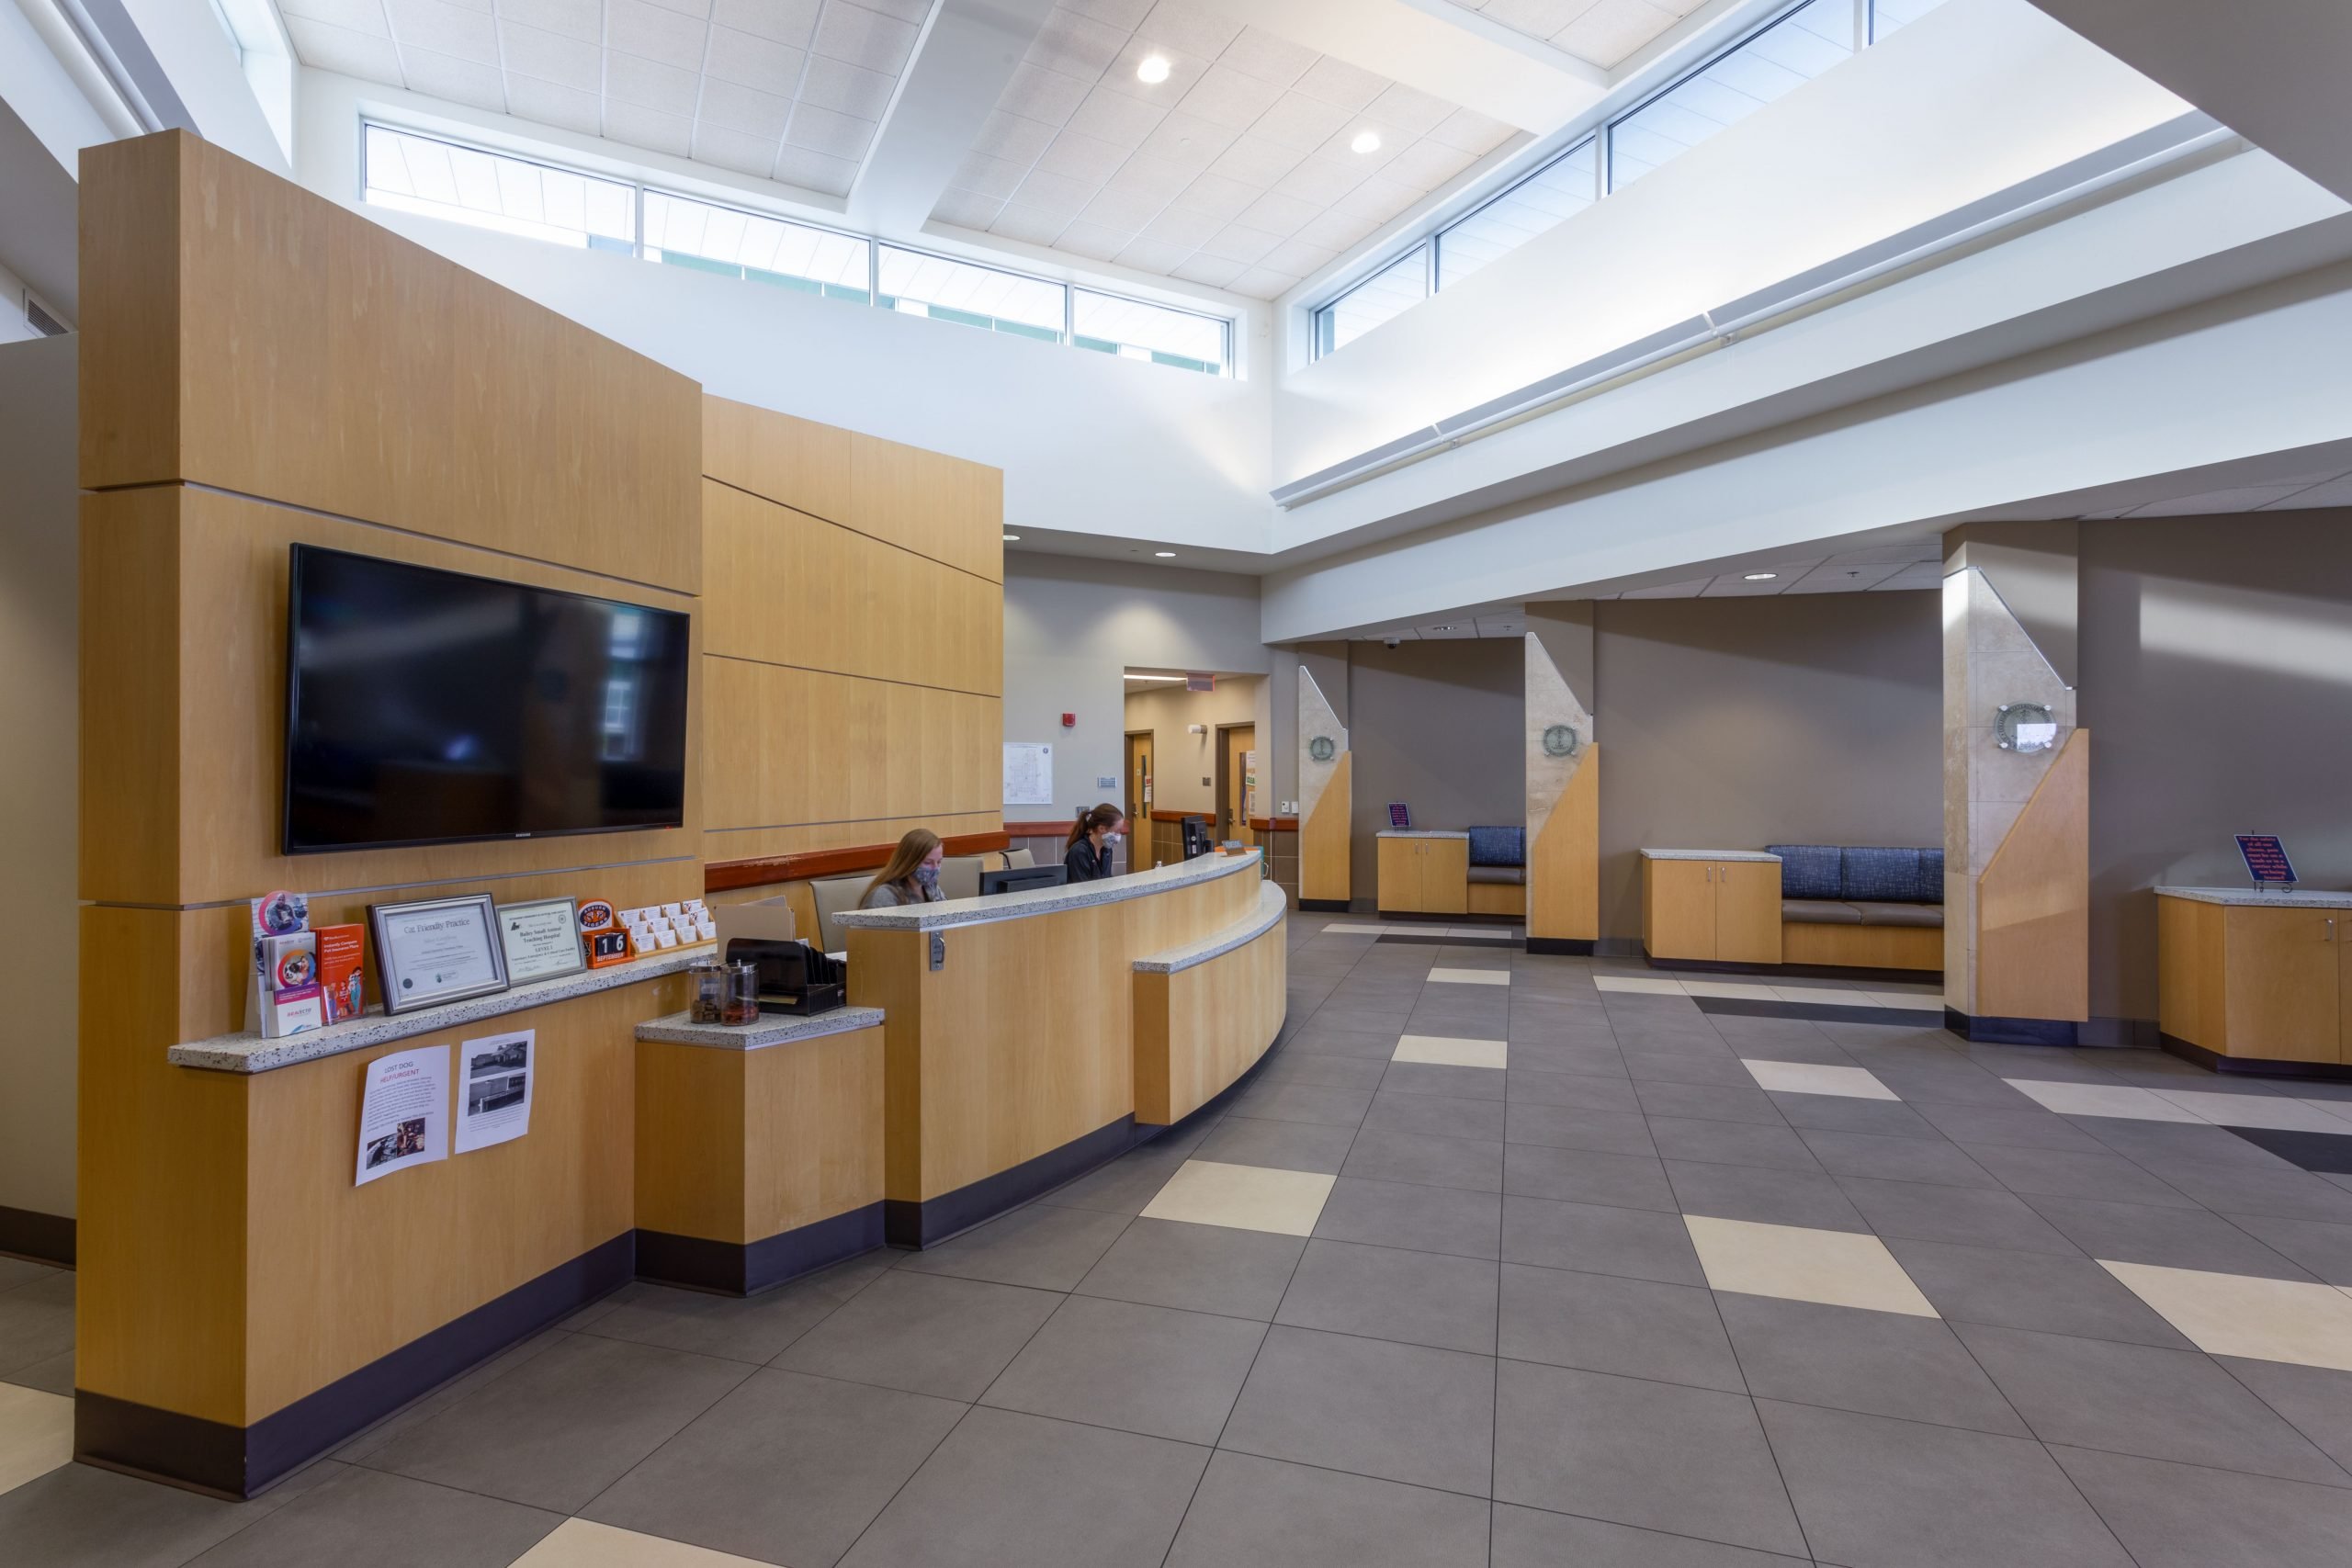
column 2266, row 859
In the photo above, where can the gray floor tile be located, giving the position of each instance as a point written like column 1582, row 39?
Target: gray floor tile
column 1439, row 1077
column 1198, row 1268
column 2170, row 1238
column 2164, row 1145
column 2323, row 1248
column 2279, row 1194
column 1767, row 1196
column 1598, row 1058
column 1044, row 1246
column 2030, row 1290
column 1277, row 1145
column 2316, row 1401
column 1630, row 1181
column 1836, row 1113
column 2073, row 1173
column 1339, row 1072
column 1731, row 1143
column 1122, row 1186
column 1531, row 1084
column 1709, row 1102
column 1382, row 1293
column 1425, row 1219
column 1529, row 1538
column 1597, row 1239
column 1371, row 1407
column 1475, row 1164
column 1933, row 1158
column 1875, row 1492
column 924, row 1334
column 355, row 1515
column 2177, row 1515
column 37, row 1319
column 1604, row 1322
column 1966, row 1216
column 1950, row 1084
column 565, row 1425
column 78, row 1515
column 738, row 1328
column 1262, row 1513
column 1442, row 1115
column 1278, row 1102
column 1152, row 1370
column 16, row 1271
column 1369, row 1039
column 2015, row 1119
column 786, row 1469
column 2141, row 1399
column 1714, row 1068
column 52, row 1376
column 1685, row 1460
column 421, row 1410
column 1880, row 1363
column 1012, row 1491
column 1570, row 1127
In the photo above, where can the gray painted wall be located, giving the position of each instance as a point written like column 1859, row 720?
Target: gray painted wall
column 1734, row 723
column 1437, row 725
column 2217, row 687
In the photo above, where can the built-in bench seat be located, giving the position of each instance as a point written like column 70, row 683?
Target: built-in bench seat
column 1498, row 873
column 1861, row 906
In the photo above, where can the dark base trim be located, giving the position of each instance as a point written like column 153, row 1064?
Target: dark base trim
column 2255, row 1066
column 46, row 1239
column 906, row 1222
column 741, row 1269
column 1929, row 1015
column 1562, row 946
column 1801, row 971
column 1985, row 1030
column 1324, row 906
column 1404, row 940
column 236, row 1462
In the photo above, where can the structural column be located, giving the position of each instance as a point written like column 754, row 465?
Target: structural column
column 1563, row 781
column 1324, row 769
column 2017, row 787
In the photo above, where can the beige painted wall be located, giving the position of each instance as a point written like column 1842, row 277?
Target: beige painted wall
column 2217, row 687
column 38, row 958
column 1437, row 726
column 1734, row 723
column 1181, row 760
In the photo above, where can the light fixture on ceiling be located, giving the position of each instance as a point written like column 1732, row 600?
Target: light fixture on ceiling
column 1153, row 69
column 1013, row 538
column 1760, row 577
column 1365, row 141
column 1165, row 555
column 1154, row 677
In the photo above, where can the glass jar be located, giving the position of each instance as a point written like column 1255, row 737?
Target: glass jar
column 708, row 980
column 742, row 1004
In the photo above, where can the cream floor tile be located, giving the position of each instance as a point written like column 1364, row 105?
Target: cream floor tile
column 2234, row 1315
column 1470, row 976
column 576, row 1543
column 1242, row 1198
column 1799, row 1264
column 2276, row 1111
column 1384, row 929
column 1733, row 988
column 1512, row 931
column 1910, row 1001
column 36, row 1434
column 1823, row 996
column 2101, row 1100
column 1447, row 1050
column 1808, row 1077
column 1643, row 984
column 2339, row 1108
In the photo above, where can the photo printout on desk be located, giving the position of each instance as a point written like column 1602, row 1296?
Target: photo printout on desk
column 495, row 1096
column 405, row 1111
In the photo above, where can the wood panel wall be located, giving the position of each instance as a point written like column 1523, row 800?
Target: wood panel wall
column 261, row 366
column 853, row 638
column 1323, row 847
column 2033, row 901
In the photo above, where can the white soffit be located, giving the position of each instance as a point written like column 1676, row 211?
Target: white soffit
column 1604, row 32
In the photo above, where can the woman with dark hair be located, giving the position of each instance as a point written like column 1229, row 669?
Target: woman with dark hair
column 910, row 876
column 1088, row 854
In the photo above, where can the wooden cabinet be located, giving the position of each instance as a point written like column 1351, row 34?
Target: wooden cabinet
column 1424, row 877
column 2263, row 983
column 1720, row 911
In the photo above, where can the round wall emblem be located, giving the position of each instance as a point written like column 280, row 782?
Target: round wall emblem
column 1560, row 740
column 1321, row 749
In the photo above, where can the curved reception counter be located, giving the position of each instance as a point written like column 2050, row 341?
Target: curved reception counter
column 1030, row 1036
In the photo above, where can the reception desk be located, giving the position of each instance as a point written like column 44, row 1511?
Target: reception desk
column 1029, row 1036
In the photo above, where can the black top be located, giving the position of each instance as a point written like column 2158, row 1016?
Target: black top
column 1086, row 863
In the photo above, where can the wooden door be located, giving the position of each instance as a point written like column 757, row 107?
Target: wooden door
column 1445, row 875
column 1400, row 876
column 1747, row 912
column 1233, row 798
column 2285, row 976
column 1138, row 784
column 1678, row 908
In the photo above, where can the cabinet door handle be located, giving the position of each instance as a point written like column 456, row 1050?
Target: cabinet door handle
column 1710, row 874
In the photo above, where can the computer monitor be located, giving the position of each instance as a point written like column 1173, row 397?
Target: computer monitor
column 1197, row 837
column 1021, row 878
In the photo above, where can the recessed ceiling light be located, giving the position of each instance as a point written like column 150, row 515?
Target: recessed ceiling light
column 1366, row 141
column 1013, row 538
column 1153, row 69
column 1760, row 577
column 1165, row 555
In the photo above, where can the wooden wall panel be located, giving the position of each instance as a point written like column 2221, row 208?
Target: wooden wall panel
column 130, row 779
column 130, row 348
column 326, row 362
column 1564, row 863
column 690, row 1145
column 812, row 1124
column 2033, row 901
column 762, row 843
column 1323, row 843
column 1863, row 947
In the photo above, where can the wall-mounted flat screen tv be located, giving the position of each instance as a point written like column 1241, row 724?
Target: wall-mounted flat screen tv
column 431, row 707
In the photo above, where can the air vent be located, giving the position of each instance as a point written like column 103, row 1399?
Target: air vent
column 42, row 322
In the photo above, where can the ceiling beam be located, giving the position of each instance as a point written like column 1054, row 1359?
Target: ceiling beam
column 966, row 55
column 1442, row 49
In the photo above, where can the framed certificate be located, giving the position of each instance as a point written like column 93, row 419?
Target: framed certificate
column 541, row 940
column 436, row 951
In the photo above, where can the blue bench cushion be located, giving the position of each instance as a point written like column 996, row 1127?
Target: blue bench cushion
column 1875, row 875
column 1932, row 878
column 1497, row 846
column 1809, row 871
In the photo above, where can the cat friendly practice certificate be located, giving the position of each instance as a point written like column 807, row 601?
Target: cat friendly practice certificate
column 447, row 949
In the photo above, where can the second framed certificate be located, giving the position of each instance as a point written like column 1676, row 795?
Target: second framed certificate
column 541, row 939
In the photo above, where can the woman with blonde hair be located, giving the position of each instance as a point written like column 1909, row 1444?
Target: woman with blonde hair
column 910, row 876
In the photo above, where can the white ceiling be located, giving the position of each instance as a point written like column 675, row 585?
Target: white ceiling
column 1877, row 569
column 1602, row 31
column 1237, row 172
column 789, row 90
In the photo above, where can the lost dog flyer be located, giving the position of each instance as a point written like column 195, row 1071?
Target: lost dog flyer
column 404, row 1114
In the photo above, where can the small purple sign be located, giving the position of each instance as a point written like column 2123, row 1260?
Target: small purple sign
column 2265, row 858
column 1399, row 817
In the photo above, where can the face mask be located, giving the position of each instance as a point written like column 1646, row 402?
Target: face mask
column 929, row 876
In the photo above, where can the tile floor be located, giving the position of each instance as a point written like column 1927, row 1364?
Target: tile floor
column 1567, row 1263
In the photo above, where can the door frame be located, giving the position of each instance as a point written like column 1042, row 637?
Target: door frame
column 1225, row 780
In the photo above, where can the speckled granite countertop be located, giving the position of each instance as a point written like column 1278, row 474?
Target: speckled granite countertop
column 1711, row 854
column 1050, row 900
column 773, row 1029
column 2249, row 899
column 1423, row 833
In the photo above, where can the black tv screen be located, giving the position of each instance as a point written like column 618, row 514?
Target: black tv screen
column 428, row 708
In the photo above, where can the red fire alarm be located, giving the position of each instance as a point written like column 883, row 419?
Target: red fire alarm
column 1069, row 721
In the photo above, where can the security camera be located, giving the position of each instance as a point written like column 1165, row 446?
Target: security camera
column 1388, row 642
